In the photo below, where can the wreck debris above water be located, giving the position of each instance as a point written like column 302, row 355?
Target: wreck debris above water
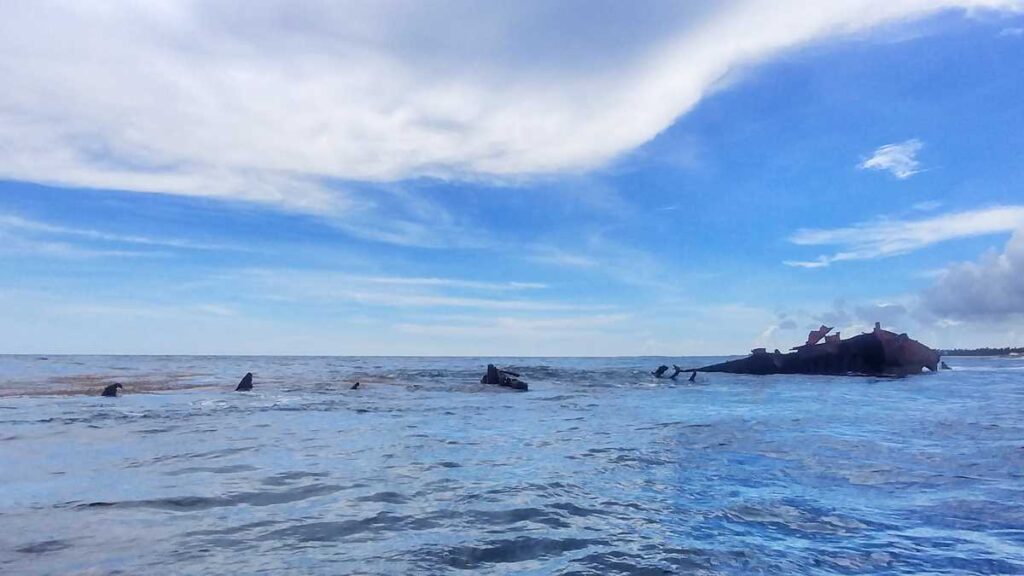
column 504, row 378
column 876, row 353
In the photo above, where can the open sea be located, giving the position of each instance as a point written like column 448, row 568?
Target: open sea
column 598, row 469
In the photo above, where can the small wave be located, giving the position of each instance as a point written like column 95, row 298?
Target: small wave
column 210, row 455
column 286, row 478
column 331, row 531
column 663, row 563
column 514, row 550
column 211, row 470
column 495, row 518
column 44, row 547
column 384, row 497
column 192, row 503
column 793, row 517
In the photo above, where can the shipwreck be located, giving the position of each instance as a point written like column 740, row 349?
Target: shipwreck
column 876, row 353
column 505, row 378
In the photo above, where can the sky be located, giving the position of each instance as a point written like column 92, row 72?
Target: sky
column 568, row 178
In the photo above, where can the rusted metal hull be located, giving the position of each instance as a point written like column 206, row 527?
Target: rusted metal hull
column 879, row 353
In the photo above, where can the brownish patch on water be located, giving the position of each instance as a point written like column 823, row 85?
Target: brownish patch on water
column 93, row 384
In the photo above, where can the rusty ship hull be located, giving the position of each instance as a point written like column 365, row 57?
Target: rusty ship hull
column 877, row 353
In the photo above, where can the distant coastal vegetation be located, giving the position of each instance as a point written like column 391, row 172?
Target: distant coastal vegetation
column 984, row 352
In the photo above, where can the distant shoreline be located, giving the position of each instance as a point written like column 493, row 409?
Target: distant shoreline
column 983, row 352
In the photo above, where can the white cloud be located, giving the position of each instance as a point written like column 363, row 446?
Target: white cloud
column 969, row 305
column 991, row 288
column 273, row 101
column 883, row 238
column 898, row 159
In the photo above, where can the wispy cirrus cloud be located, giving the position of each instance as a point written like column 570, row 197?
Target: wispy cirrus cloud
column 898, row 159
column 451, row 282
column 883, row 238
column 11, row 222
column 404, row 300
column 400, row 291
column 927, row 206
column 274, row 101
column 510, row 326
column 554, row 256
column 20, row 246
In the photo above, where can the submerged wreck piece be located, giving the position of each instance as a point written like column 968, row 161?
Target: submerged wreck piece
column 876, row 353
column 503, row 378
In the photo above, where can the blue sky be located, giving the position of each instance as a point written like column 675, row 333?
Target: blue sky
column 544, row 179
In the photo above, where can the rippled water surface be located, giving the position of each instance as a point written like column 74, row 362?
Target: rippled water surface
column 598, row 469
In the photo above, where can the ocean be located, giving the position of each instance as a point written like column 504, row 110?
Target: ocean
column 598, row 469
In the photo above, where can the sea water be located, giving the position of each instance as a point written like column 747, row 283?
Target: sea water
column 599, row 469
